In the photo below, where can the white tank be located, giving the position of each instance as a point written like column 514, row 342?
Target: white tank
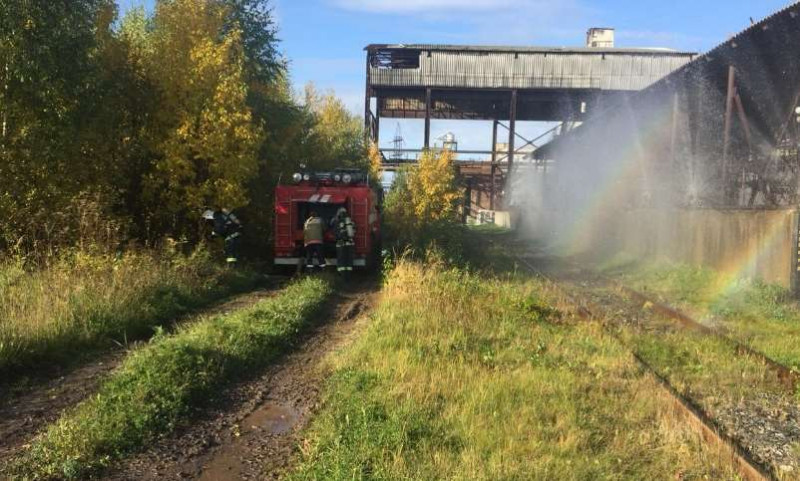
column 449, row 142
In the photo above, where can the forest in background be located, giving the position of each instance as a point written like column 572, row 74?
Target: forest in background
column 118, row 128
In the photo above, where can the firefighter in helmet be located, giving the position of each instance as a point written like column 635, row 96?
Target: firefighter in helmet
column 345, row 230
column 226, row 225
column 314, row 235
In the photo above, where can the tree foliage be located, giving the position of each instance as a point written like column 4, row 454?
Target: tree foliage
column 336, row 134
column 49, row 103
column 434, row 190
column 423, row 198
column 152, row 117
column 206, row 138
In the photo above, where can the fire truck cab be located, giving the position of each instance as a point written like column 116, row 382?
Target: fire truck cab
column 325, row 193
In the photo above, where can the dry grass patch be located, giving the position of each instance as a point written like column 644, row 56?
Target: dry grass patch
column 467, row 376
column 83, row 300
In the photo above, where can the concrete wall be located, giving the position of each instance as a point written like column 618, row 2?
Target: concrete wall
column 746, row 243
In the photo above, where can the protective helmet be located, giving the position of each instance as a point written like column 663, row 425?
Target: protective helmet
column 341, row 212
column 208, row 214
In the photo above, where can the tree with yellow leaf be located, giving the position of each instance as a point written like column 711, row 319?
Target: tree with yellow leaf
column 209, row 145
column 336, row 136
column 422, row 199
column 434, row 188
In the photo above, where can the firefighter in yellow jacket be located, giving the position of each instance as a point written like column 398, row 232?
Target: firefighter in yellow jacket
column 345, row 230
column 314, row 235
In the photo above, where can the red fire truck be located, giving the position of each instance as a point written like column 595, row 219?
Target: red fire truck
column 325, row 193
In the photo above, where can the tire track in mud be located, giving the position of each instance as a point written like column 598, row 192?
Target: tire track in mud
column 252, row 430
column 26, row 410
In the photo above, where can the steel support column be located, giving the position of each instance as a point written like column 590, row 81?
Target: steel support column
column 512, row 129
column 728, row 121
column 492, row 188
column 467, row 202
column 367, row 109
column 427, row 118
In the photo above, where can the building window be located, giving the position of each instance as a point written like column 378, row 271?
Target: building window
column 395, row 58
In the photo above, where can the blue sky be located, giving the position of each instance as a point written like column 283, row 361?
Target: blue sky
column 324, row 39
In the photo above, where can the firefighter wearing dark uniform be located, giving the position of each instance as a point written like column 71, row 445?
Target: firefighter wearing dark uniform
column 345, row 230
column 227, row 226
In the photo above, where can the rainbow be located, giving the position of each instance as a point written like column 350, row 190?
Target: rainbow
column 590, row 215
column 606, row 196
column 742, row 266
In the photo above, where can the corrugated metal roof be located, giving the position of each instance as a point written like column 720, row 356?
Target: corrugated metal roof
column 448, row 66
column 764, row 56
column 531, row 49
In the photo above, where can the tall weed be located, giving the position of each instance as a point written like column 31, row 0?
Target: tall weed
column 85, row 299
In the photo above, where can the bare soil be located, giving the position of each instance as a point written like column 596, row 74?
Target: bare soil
column 252, row 430
column 28, row 406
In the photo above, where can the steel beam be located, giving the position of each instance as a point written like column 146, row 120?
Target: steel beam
column 519, row 136
column 427, row 118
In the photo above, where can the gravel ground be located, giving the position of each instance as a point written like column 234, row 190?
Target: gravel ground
column 251, row 431
column 25, row 409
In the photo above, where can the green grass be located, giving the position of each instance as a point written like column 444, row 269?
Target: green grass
column 763, row 316
column 157, row 385
column 83, row 301
column 465, row 375
column 706, row 368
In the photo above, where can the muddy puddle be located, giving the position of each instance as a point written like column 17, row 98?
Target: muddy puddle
column 271, row 419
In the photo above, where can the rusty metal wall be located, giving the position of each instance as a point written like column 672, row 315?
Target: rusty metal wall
column 756, row 244
column 584, row 69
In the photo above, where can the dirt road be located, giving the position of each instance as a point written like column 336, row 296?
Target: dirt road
column 26, row 409
column 252, row 430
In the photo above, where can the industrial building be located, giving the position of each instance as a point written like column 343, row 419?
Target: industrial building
column 504, row 85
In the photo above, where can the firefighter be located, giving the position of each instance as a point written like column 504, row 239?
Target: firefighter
column 345, row 230
column 313, row 234
column 227, row 226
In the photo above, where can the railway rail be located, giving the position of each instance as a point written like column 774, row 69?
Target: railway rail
column 786, row 375
column 698, row 418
